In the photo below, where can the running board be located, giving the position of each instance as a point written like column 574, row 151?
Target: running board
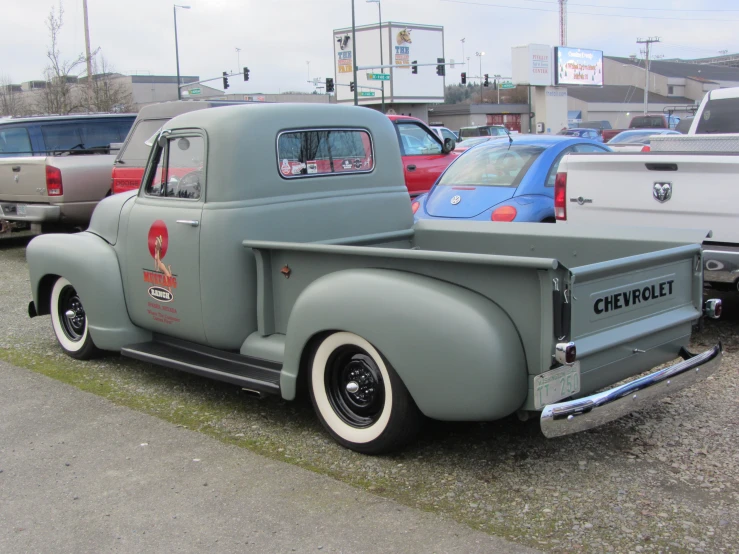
column 254, row 374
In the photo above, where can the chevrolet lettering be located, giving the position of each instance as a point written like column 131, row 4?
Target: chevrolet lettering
column 635, row 296
column 326, row 286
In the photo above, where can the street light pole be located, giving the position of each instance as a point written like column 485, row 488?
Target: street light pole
column 238, row 59
column 354, row 58
column 382, row 83
column 497, row 85
column 176, row 46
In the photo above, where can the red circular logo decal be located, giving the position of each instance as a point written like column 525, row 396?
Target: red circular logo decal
column 158, row 229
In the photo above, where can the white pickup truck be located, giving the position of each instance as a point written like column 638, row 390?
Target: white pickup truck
column 686, row 181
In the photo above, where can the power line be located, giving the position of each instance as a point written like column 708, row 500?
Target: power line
column 629, row 7
column 686, row 19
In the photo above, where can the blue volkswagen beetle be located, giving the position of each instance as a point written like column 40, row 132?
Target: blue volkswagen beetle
column 502, row 180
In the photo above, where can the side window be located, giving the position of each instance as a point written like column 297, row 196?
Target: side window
column 447, row 134
column 97, row 135
column 555, row 166
column 61, row 137
column 137, row 150
column 417, row 141
column 324, row 152
column 180, row 169
column 14, row 141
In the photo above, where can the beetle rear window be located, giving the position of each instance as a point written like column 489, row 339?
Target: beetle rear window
column 324, row 152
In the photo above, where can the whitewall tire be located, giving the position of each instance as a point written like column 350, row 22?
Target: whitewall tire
column 359, row 397
column 69, row 321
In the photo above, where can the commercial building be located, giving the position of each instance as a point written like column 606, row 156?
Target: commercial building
column 409, row 86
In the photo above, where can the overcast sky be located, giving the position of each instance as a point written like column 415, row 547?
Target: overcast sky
column 278, row 37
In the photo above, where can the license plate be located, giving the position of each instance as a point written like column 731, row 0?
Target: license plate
column 556, row 384
column 20, row 209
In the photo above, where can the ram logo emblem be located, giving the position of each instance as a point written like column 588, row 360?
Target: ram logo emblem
column 662, row 192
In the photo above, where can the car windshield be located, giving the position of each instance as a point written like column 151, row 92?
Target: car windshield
column 631, row 136
column 496, row 166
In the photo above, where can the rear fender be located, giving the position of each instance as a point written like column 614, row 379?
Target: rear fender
column 91, row 265
column 458, row 353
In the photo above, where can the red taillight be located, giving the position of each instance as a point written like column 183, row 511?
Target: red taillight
column 504, row 213
column 560, row 196
column 415, row 207
column 54, row 181
column 646, row 148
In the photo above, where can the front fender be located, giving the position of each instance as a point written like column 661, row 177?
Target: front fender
column 91, row 265
column 458, row 353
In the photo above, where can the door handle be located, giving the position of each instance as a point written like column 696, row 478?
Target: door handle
column 411, row 167
column 190, row 222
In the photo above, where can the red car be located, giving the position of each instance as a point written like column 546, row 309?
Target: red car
column 424, row 155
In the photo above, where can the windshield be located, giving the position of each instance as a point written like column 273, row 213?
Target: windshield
column 719, row 116
column 500, row 166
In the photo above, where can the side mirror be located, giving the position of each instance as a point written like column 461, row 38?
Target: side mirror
column 449, row 145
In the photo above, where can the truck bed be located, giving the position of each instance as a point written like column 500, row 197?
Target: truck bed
column 524, row 269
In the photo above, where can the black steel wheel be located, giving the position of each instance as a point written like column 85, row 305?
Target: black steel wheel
column 69, row 320
column 358, row 396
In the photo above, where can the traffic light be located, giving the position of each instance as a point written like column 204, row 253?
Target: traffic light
column 225, row 80
column 246, row 74
column 414, row 67
column 329, row 84
column 487, row 81
column 351, row 86
column 441, row 68
column 464, row 78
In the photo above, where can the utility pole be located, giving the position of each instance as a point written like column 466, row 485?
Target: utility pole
column 88, row 56
column 646, row 42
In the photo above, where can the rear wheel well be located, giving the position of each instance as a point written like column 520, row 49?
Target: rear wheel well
column 44, row 294
column 306, row 357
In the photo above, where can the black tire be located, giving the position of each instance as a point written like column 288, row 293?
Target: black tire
column 69, row 321
column 359, row 398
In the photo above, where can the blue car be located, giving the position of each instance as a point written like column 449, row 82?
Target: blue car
column 502, row 180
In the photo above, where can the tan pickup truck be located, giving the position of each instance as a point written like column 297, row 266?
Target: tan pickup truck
column 54, row 170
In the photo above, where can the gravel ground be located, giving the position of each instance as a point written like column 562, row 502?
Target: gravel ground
column 662, row 480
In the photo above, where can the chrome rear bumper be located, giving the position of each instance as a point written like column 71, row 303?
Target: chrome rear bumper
column 591, row 411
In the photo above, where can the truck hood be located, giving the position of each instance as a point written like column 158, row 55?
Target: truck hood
column 473, row 200
column 104, row 222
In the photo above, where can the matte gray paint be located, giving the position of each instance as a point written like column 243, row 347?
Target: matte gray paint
column 91, row 266
column 106, row 216
column 457, row 352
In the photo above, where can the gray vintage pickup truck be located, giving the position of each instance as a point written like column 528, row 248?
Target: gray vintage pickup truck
column 273, row 247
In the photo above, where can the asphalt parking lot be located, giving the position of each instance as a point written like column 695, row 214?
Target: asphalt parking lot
column 662, row 480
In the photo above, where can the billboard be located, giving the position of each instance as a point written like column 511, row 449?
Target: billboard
column 578, row 67
column 532, row 65
column 395, row 44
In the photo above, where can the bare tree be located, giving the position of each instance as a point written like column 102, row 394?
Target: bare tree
column 11, row 100
column 59, row 96
column 109, row 91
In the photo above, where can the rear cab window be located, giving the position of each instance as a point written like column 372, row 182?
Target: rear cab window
column 14, row 141
column 312, row 152
column 719, row 116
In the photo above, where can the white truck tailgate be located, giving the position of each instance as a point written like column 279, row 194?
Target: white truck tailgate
column 664, row 190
